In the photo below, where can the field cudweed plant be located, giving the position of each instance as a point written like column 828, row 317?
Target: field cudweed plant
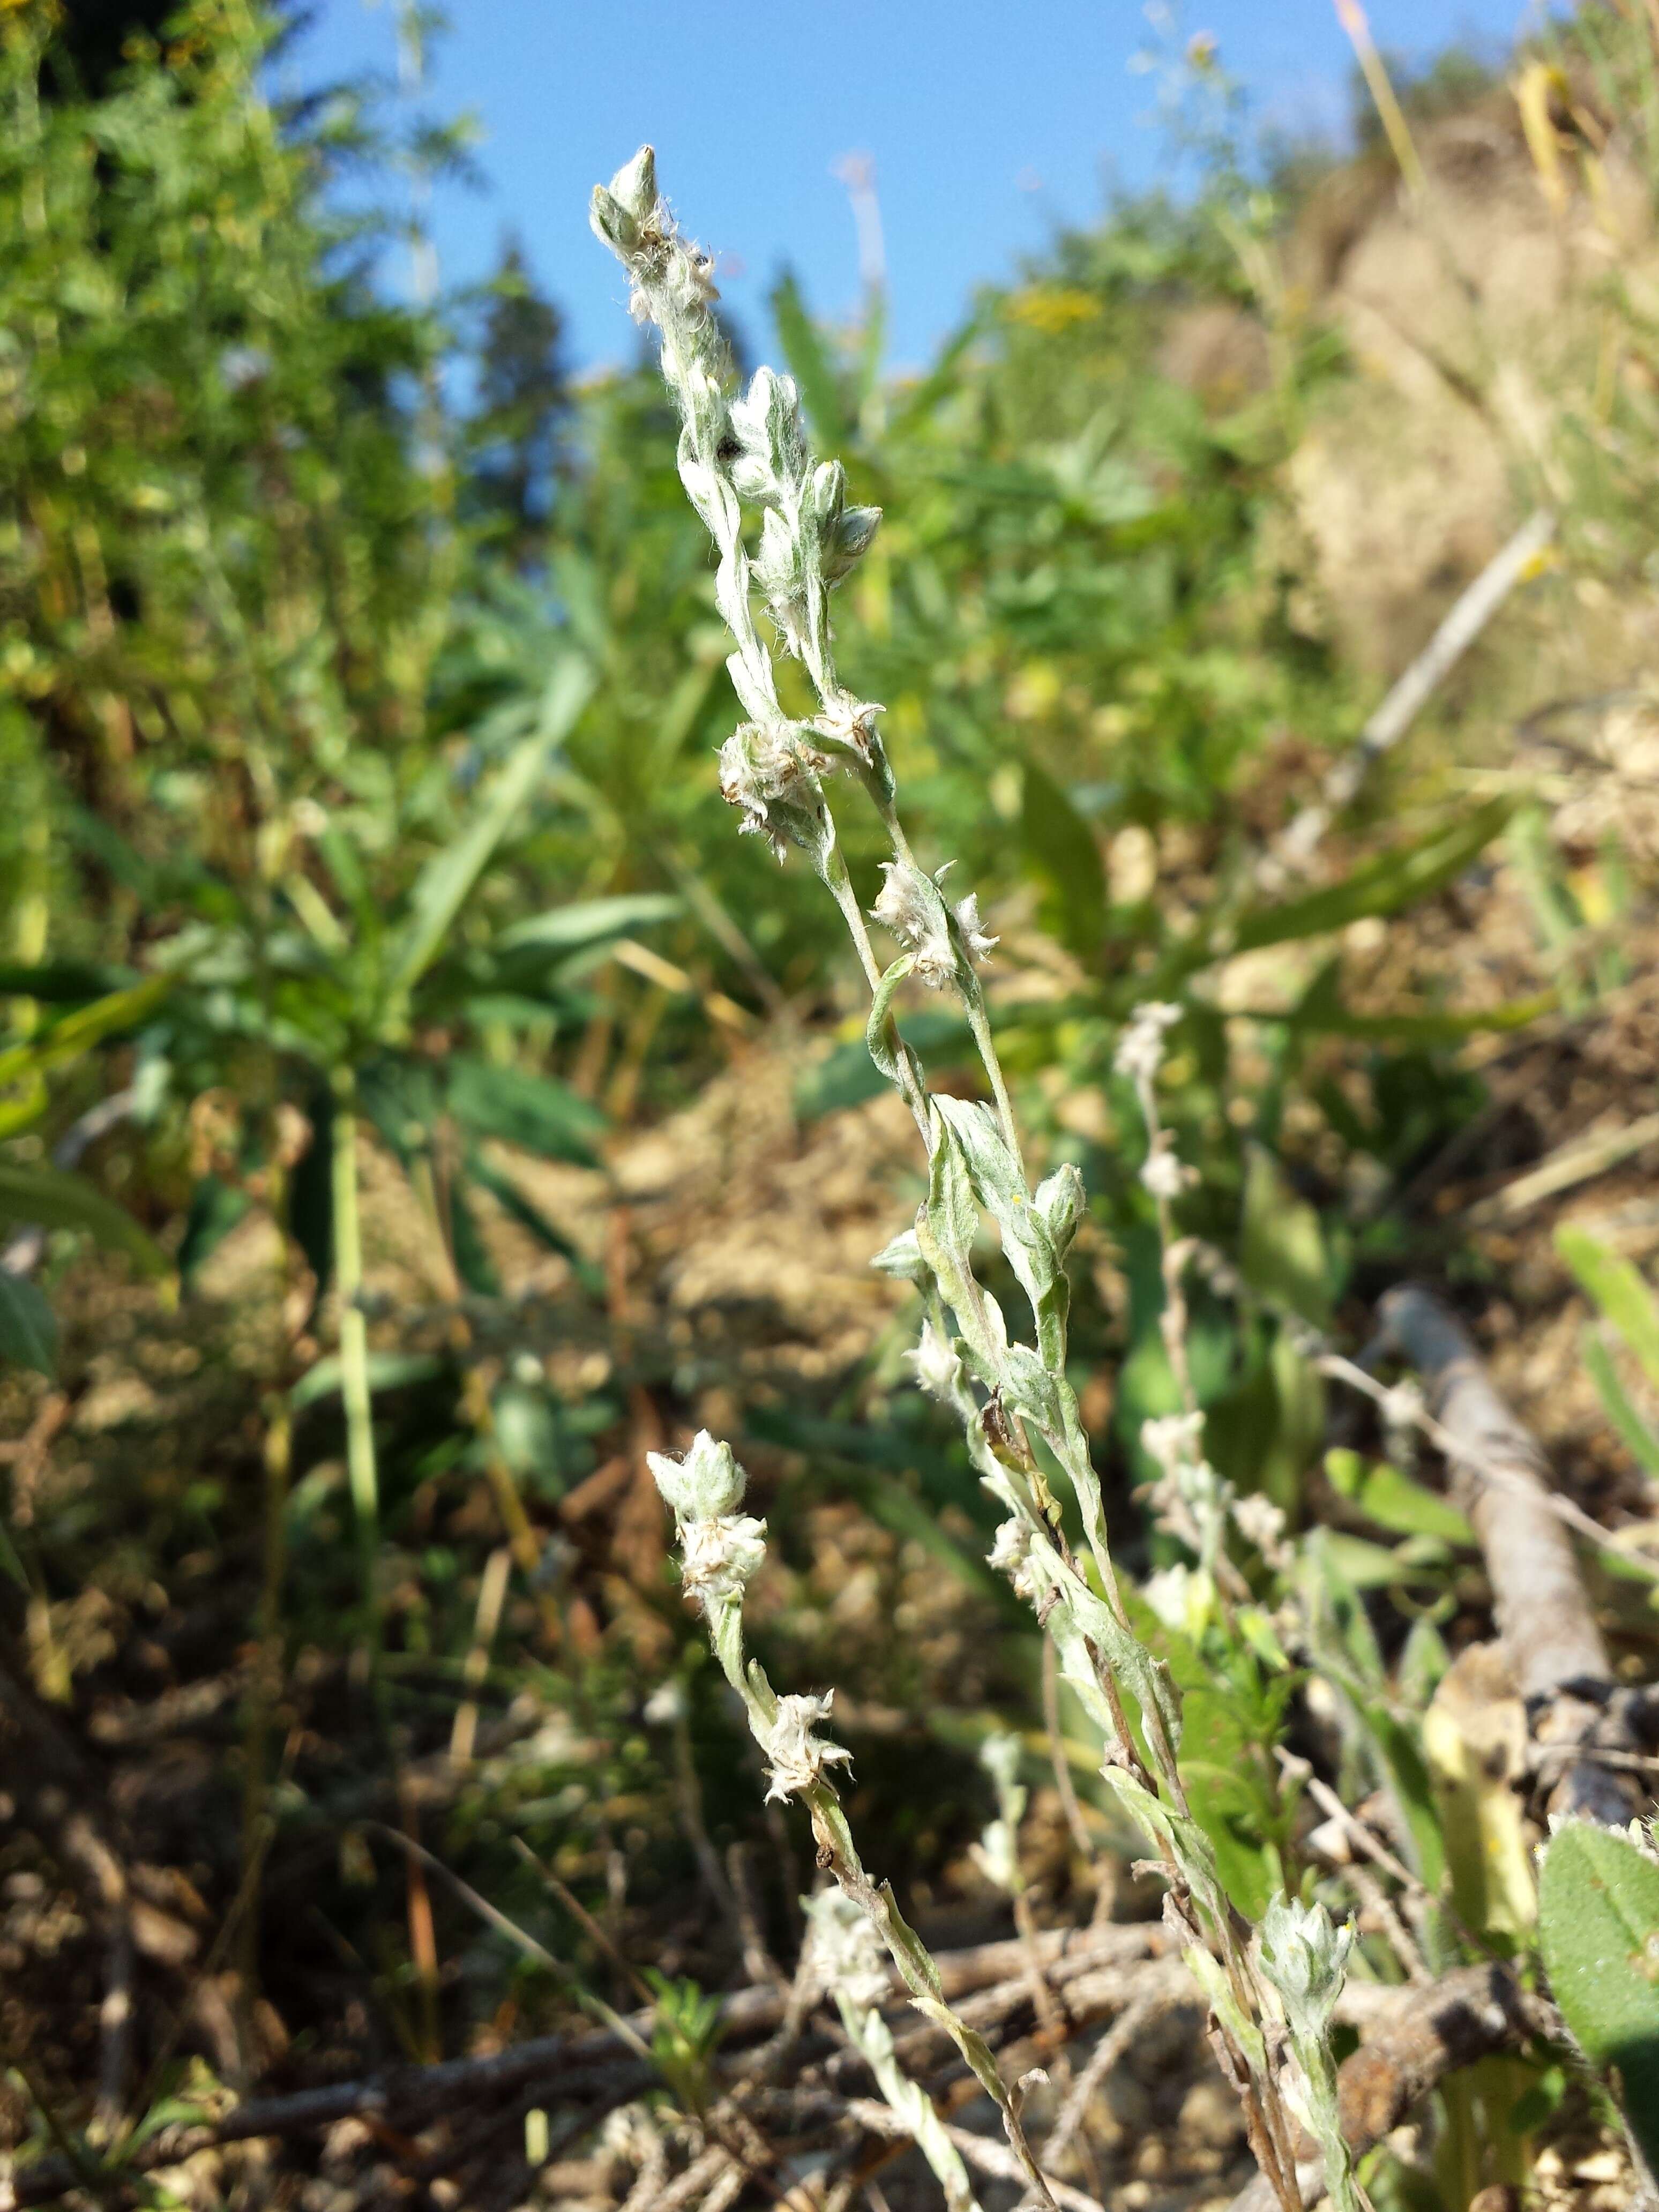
column 746, row 449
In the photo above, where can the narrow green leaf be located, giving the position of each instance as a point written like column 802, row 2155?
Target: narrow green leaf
column 1059, row 850
column 446, row 881
column 65, row 982
column 847, row 1075
column 78, row 1032
column 28, row 1330
column 1619, row 1290
column 1366, row 1565
column 1394, row 1501
column 473, row 1263
column 1379, row 886
column 1321, row 1011
column 522, row 1109
column 1598, row 1924
column 1638, row 1437
column 529, row 1217
column 589, row 921
column 810, row 366
column 878, row 1041
column 387, row 1370
column 1281, row 1245
column 58, row 1200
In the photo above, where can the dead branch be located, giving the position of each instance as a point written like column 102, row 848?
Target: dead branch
column 404, row 2097
column 991, row 2158
column 1427, row 2034
column 1501, row 1480
column 1473, row 610
column 1090, row 1971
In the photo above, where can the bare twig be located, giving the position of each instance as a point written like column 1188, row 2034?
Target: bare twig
column 1575, row 1161
column 1555, row 1648
column 1102, row 2059
column 990, row 2156
column 1094, row 1971
column 757, row 1960
column 1473, row 610
column 115, row 2023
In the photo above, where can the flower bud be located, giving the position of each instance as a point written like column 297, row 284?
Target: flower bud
column 1306, row 1960
column 634, row 187
column 766, row 423
column 612, row 224
column 826, row 495
column 704, row 1485
column 855, row 530
column 939, row 1370
column 1060, row 1204
column 902, row 1258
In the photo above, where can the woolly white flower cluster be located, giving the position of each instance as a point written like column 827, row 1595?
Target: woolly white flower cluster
column 1141, row 1048
column 752, row 448
column 938, row 1369
column 1173, row 1440
column 721, row 1550
column 1011, row 1555
column 798, row 1758
column 1189, row 1493
column 940, row 937
column 770, row 771
column 1163, row 1173
column 1260, row 1522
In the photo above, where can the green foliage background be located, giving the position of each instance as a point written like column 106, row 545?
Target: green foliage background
column 358, row 754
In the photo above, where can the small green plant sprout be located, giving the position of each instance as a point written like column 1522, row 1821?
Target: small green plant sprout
column 847, row 1964
column 1598, row 1925
column 1017, row 1406
column 1305, row 1957
column 683, row 2041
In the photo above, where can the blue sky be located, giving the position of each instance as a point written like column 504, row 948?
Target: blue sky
column 988, row 123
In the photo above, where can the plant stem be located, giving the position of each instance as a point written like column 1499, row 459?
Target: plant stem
column 519, row 1530
column 268, row 1633
column 354, row 1343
